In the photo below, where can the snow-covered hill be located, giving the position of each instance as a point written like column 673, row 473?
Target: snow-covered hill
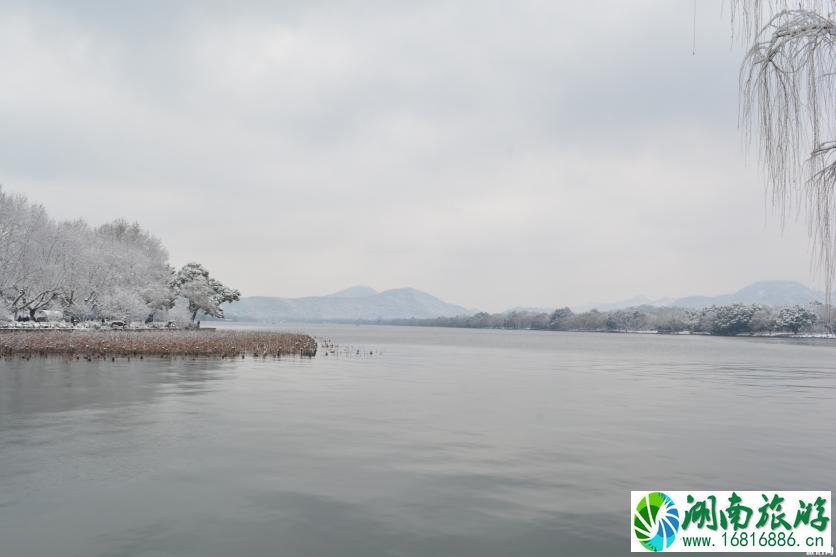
column 352, row 304
column 766, row 292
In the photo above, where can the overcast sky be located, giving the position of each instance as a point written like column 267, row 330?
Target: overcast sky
column 491, row 153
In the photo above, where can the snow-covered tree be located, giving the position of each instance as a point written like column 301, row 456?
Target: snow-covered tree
column 17, row 228
column 788, row 108
column 158, row 297
column 671, row 319
column 137, row 263
column 34, row 258
column 626, row 320
column 763, row 320
column 114, row 271
column 795, row 319
column 558, row 317
column 728, row 320
column 204, row 294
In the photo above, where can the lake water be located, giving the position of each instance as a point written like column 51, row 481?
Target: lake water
column 441, row 442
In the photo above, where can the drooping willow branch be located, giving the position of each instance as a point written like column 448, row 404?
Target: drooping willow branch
column 787, row 98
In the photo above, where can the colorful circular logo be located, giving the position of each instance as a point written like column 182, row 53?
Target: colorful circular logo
column 656, row 521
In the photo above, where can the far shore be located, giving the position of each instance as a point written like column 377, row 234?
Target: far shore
column 781, row 335
column 227, row 325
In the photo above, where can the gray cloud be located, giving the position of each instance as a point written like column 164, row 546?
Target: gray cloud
column 493, row 154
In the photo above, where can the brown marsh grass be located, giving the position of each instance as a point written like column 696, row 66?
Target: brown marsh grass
column 112, row 344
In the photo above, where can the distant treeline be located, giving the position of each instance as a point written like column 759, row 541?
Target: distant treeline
column 734, row 319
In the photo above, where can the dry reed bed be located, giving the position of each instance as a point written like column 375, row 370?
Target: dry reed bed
column 111, row 344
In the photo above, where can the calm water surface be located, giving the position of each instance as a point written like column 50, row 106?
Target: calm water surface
column 442, row 442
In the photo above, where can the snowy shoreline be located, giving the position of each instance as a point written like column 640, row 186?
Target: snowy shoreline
column 825, row 336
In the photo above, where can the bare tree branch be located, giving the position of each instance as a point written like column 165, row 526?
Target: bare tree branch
column 787, row 98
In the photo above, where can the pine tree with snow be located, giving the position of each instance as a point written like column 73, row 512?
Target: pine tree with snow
column 203, row 293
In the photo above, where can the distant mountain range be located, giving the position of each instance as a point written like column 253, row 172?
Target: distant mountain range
column 767, row 292
column 363, row 303
column 358, row 303
column 528, row 309
column 629, row 303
